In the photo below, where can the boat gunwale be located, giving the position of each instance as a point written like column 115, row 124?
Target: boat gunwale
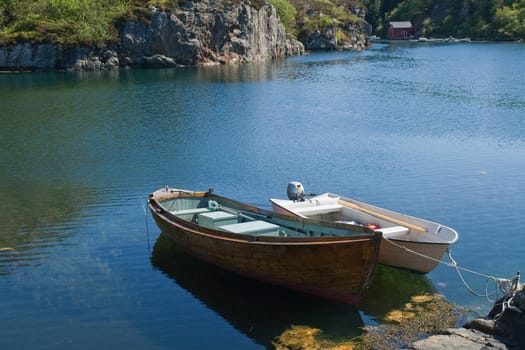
column 453, row 233
column 155, row 205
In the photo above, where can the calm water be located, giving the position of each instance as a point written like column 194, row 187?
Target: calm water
column 433, row 131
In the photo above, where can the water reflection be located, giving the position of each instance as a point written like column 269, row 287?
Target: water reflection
column 391, row 289
column 258, row 310
column 36, row 218
column 238, row 73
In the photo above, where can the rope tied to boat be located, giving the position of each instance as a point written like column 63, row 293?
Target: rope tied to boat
column 507, row 301
column 508, row 287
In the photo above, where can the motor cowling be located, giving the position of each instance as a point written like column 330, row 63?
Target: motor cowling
column 295, row 191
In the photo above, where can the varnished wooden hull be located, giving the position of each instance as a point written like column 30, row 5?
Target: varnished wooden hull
column 337, row 268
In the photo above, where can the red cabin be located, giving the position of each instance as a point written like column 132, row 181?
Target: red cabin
column 400, row 30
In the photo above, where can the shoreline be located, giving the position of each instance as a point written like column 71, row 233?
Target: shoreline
column 443, row 41
column 502, row 328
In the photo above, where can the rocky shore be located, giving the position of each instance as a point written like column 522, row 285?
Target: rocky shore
column 503, row 328
column 198, row 33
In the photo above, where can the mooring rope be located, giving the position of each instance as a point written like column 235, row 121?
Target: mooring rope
column 507, row 286
column 147, row 226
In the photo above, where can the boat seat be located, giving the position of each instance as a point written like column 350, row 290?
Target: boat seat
column 214, row 219
column 393, row 231
column 256, row 228
column 188, row 213
column 317, row 209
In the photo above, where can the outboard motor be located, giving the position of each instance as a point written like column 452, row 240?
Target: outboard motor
column 295, row 191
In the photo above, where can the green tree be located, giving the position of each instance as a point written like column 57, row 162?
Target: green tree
column 510, row 20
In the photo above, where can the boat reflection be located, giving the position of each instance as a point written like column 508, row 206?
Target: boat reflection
column 391, row 289
column 258, row 310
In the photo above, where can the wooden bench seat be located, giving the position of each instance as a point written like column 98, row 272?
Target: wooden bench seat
column 214, row 219
column 256, row 228
column 188, row 213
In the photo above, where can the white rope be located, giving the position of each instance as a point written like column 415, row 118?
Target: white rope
column 506, row 286
column 147, row 226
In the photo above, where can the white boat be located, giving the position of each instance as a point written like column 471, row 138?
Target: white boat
column 408, row 242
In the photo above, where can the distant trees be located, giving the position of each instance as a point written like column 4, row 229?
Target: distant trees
column 487, row 19
column 510, row 20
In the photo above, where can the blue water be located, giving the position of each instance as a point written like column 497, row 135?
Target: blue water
column 436, row 131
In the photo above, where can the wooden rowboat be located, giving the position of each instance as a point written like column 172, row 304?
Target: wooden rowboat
column 331, row 260
column 408, row 242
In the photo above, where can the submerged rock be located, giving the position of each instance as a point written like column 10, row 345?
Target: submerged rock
column 307, row 338
column 503, row 328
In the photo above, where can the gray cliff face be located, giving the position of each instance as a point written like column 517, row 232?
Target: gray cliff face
column 28, row 56
column 208, row 32
column 199, row 33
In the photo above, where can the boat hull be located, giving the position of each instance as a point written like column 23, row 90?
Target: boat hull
column 394, row 253
column 338, row 268
column 420, row 248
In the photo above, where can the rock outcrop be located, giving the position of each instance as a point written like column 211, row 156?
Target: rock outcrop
column 347, row 38
column 503, row 328
column 207, row 32
column 28, row 56
column 352, row 33
column 198, row 33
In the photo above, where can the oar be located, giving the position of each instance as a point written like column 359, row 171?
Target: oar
column 382, row 216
